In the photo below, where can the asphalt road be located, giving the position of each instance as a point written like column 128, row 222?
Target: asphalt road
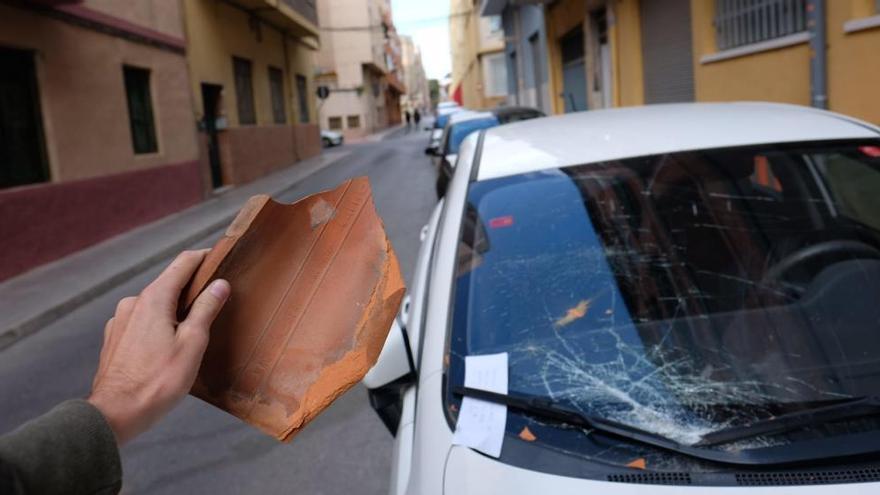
column 199, row 449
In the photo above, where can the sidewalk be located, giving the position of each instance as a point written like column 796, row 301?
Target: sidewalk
column 37, row 297
column 377, row 136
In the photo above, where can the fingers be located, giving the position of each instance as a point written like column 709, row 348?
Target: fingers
column 112, row 331
column 165, row 291
column 193, row 331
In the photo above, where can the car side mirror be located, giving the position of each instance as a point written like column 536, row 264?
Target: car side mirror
column 393, row 373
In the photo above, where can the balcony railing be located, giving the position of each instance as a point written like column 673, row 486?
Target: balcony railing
column 305, row 8
column 299, row 17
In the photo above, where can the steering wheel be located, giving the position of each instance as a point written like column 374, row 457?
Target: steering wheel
column 855, row 249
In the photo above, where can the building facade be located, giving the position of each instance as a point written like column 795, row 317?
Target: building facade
column 359, row 62
column 418, row 96
column 96, row 129
column 252, row 79
column 479, row 68
column 607, row 53
column 103, row 120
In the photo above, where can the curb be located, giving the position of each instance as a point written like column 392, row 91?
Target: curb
column 31, row 324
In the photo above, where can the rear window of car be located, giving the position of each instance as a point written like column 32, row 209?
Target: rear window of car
column 461, row 130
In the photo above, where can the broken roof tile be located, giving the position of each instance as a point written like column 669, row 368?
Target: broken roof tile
column 315, row 287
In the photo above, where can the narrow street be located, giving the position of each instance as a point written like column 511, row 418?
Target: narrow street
column 199, row 449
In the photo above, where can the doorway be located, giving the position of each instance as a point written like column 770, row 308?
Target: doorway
column 667, row 51
column 574, row 77
column 211, row 100
column 22, row 150
column 601, row 73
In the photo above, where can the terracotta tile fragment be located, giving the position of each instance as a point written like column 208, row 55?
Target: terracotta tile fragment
column 637, row 463
column 315, row 287
column 574, row 314
column 527, row 435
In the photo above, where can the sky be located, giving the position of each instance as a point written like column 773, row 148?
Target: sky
column 427, row 22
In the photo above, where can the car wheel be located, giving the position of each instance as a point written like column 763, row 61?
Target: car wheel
column 326, row 142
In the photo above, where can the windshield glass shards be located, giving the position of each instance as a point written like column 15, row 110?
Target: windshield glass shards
column 679, row 294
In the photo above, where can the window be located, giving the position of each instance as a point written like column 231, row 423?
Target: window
column 140, row 109
column 22, row 154
column 353, row 121
column 334, row 123
column 302, row 94
column 276, row 90
column 244, row 91
column 495, row 26
column 743, row 23
column 494, row 75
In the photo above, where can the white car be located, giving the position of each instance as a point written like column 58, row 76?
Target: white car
column 331, row 138
column 687, row 296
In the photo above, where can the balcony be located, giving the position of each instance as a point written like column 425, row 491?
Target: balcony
column 298, row 17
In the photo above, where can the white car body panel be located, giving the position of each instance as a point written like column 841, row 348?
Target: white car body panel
column 401, row 454
column 425, row 461
column 599, row 135
column 392, row 362
column 471, row 473
column 432, row 435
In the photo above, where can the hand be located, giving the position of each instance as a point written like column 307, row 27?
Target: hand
column 149, row 361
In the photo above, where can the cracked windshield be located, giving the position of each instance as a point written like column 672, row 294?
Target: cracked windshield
column 681, row 293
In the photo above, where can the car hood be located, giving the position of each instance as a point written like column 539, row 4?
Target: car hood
column 331, row 134
column 471, row 473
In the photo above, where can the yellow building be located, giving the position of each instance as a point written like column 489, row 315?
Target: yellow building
column 777, row 68
column 251, row 65
column 595, row 54
column 479, row 75
column 629, row 52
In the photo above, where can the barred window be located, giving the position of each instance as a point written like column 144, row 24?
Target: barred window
column 140, row 109
column 742, row 22
column 244, row 91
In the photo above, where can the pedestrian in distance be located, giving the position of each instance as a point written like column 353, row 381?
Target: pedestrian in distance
column 148, row 363
column 417, row 117
column 408, row 119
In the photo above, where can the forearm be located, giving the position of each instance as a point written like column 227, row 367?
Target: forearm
column 71, row 449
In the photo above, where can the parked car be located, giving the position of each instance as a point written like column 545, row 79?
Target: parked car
column 440, row 121
column 460, row 125
column 331, row 138
column 686, row 295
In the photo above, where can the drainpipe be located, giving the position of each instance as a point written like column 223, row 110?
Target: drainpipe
column 520, row 53
column 818, row 53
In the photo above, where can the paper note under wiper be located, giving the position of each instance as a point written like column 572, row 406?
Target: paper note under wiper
column 481, row 424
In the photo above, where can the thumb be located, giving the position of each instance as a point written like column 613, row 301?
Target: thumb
column 204, row 310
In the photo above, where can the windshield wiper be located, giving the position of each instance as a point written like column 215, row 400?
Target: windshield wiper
column 853, row 408
column 546, row 408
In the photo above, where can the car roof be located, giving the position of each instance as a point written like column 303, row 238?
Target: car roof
column 469, row 115
column 600, row 135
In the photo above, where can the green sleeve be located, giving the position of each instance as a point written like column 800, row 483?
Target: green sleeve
column 71, row 450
